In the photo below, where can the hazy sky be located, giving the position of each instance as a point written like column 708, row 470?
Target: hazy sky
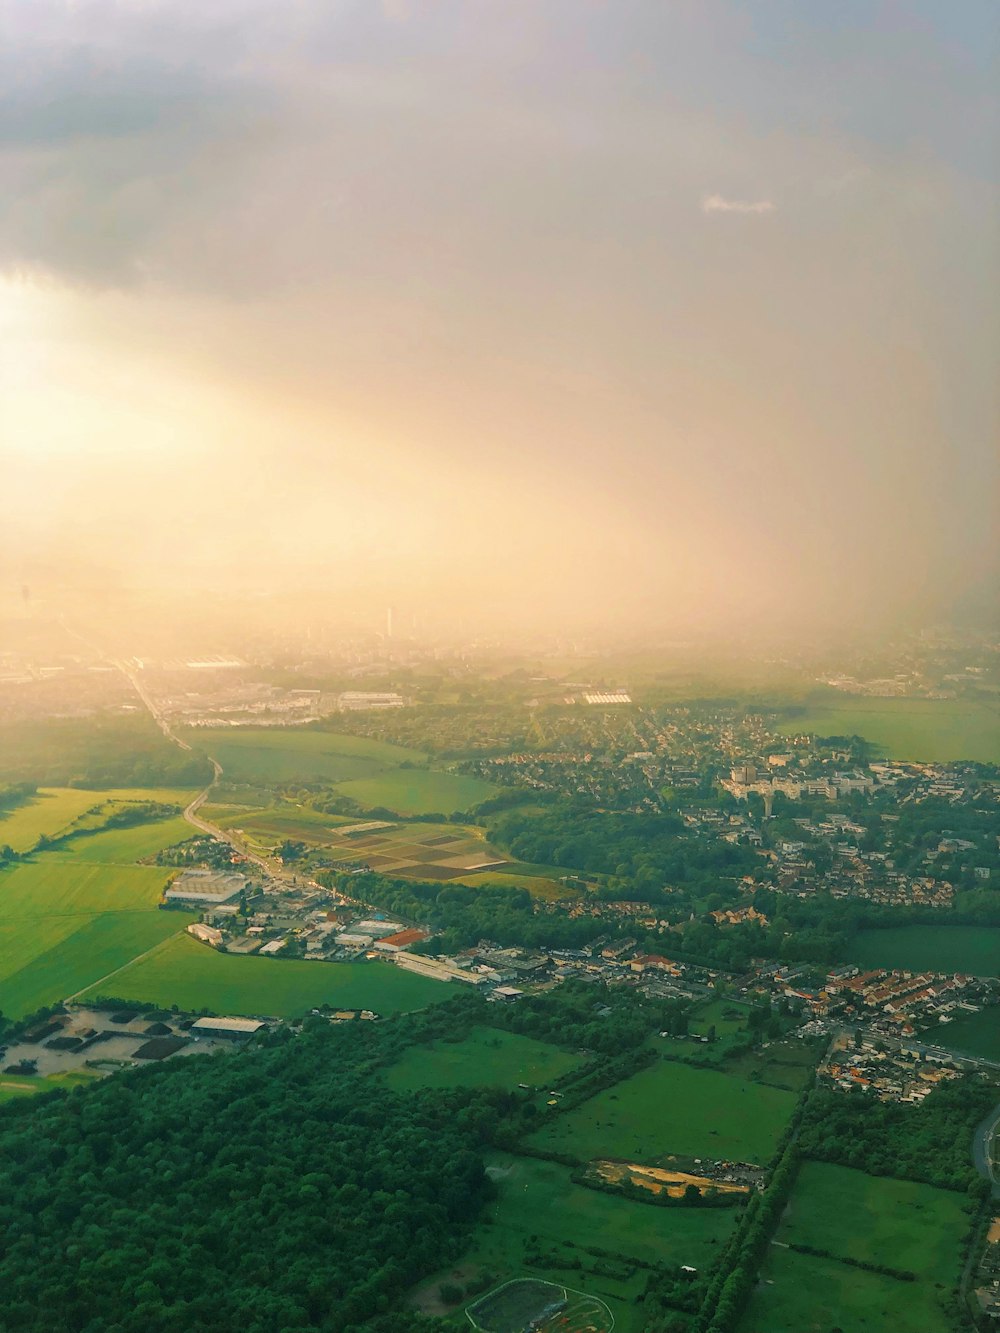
column 678, row 306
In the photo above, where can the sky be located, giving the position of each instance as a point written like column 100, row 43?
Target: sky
column 676, row 312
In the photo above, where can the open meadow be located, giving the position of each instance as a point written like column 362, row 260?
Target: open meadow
column 924, row 730
column 537, row 1203
column 72, row 914
column 972, row 1034
column 971, row 949
column 193, row 976
column 902, row 1225
column 45, row 815
column 485, row 1058
column 801, row 1293
column 283, row 754
column 418, row 791
column 673, row 1108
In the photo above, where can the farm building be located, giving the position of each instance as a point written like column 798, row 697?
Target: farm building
column 205, row 886
column 236, row 1029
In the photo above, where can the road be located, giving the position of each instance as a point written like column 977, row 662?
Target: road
column 984, row 1149
column 273, row 873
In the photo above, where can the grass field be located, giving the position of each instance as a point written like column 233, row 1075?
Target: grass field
column 673, row 1108
column 284, row 755
column 189, row 974
column 46, row 815
column 971, row 949
column 974, row 1034
column 928, row 730
column 538, row 1199
column 74, row 913
column 418, row 791
column 898, row 1223
column 548, row 890
column 485, row 1058
column 14, row 1086
column 799, row 1293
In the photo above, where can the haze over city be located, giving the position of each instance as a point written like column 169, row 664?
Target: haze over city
column 682, row 315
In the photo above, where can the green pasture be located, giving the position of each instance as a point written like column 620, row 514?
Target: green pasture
column 49, row 886
column 286, row 755
column 971, row 949
column 418, row 791
column 15, row 1086
column 46, row 815
column 972, row 1034
column 548, row 890
column 912, row 1227
column 53, row 960
column 673, row 1108
column 895, row 1222
column 799, row 1293
column 122, row 846
column 924, row 730
column 485, row 1058
column 538, row 1199
column 191, row 975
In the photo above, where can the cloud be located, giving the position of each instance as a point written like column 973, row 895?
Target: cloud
column 716, row 203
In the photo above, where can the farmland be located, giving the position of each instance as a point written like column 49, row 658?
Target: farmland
column 266, row 756
column 538, row 1200
column 189, row 974
column 418, row 791
column 853, row 1216
column 14, row 1087
column 927, row 730
column 971, row 949
column 673, row 1108
column 45, row 815
column 485, row 1057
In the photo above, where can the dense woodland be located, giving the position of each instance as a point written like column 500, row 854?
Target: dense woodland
column 929, row 1142
column 280, row 1189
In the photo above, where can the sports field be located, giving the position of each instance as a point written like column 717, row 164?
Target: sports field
column 537, row 1199
column 284, row 755
column 418, row 791
column 900, row 1224
column 193, row 976
column 971, row 949
column 45, row 815
column 546, row 1307
column 673, row 1108
column 928, row 730
column 485, row 1058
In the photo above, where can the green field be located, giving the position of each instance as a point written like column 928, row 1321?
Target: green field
column 973, row 1034
column 971, row 949
column 485, row 1058
column 284, row 755
column 15, row 1086
column 673, row 1108
column 122, row 846
column 927, row 730
column 897, row 1223
column 418, row 791
column 57, row 963
column 46, row 815
column 193, row 976
column 799, row 1293
column 538, row 1199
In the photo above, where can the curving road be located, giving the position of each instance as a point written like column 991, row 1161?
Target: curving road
column 984, row 1149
